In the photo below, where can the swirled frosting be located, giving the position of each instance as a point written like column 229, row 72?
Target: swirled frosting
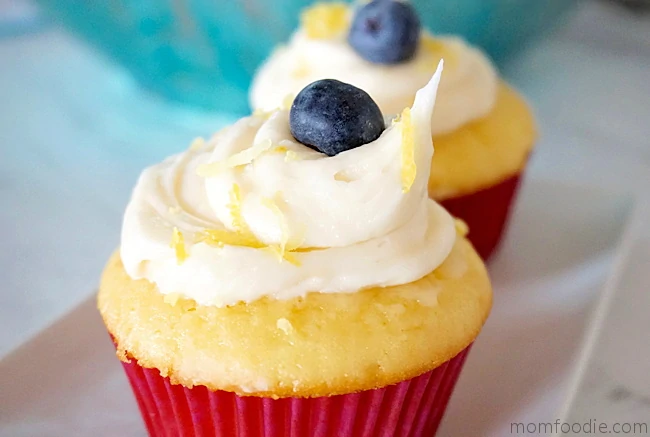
column 467, row 90
column 253, row 213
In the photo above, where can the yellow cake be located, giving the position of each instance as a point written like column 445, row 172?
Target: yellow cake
column 322, row 344
column 278, row 269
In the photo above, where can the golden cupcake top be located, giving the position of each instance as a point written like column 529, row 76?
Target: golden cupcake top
column 322, row 344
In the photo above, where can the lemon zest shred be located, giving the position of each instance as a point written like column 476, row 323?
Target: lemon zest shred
column 242, row 235
column 178, row 244
column 409, row 168
column 238, row 221
column 282, row 251
column 222, row 237
column 276, row 251
column 461, row 227
column 291, row 258
column 284, row 227
column 239, row 159
column 325, row 20
column 279, row 149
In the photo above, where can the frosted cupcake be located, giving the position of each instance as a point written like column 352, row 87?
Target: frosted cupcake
column 291, row 277
column 483, row 130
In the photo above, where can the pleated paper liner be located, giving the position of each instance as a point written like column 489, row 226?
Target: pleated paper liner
column 486, row 212
column 412, row 408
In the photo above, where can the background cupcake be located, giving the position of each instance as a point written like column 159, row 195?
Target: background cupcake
column 482, row 129
column 277, row 308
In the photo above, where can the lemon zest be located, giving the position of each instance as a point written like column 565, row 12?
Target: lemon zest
column 289, row 155
column 284, row 227
column 409, row 168
column 242, row 235
column 238, row 221
column 222, row 237
column 279, row 149
column 239, row 159
column 276, row 251
column 178, row 244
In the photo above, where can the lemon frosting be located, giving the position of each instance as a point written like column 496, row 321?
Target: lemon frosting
column 467, row 91
column 252, row 213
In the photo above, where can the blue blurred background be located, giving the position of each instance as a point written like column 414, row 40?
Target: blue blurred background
column 204, row 52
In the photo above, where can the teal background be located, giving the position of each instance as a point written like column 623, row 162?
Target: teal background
column 204, row 52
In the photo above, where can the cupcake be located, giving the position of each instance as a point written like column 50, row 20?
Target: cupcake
column 291, row 277
column 482, row 129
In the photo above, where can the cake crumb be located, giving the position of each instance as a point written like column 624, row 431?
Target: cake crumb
column 284, row 325
column 461, row 227
column 197, row 144
column 172, row 298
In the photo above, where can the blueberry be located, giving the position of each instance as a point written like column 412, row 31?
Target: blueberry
column 332, row 117
column 385, row 31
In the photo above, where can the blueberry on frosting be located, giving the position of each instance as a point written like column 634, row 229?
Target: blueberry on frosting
column 385, row 31
column 331, row 116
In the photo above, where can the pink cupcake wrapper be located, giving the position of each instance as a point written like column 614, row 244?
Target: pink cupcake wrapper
column 412, row 408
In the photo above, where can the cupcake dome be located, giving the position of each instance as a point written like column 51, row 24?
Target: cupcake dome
column 482, row 129
column 258, row 272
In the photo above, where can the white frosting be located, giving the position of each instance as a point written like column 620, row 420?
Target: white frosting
column 467, row 90
column 355, row 224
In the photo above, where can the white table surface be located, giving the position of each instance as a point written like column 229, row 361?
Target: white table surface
column 75, row 131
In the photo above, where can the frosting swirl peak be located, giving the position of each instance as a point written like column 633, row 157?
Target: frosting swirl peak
column 255, row 213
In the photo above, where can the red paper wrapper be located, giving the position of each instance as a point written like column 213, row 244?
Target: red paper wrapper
column 486, row 213
column 412, row 408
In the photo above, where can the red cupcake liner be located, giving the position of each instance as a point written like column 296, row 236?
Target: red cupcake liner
column 412, row 408
column 486, row 212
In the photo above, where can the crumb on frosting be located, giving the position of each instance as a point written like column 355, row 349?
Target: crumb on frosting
column 325, row 20
column 461, row 227
column 284, row 325
column 197, row 144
